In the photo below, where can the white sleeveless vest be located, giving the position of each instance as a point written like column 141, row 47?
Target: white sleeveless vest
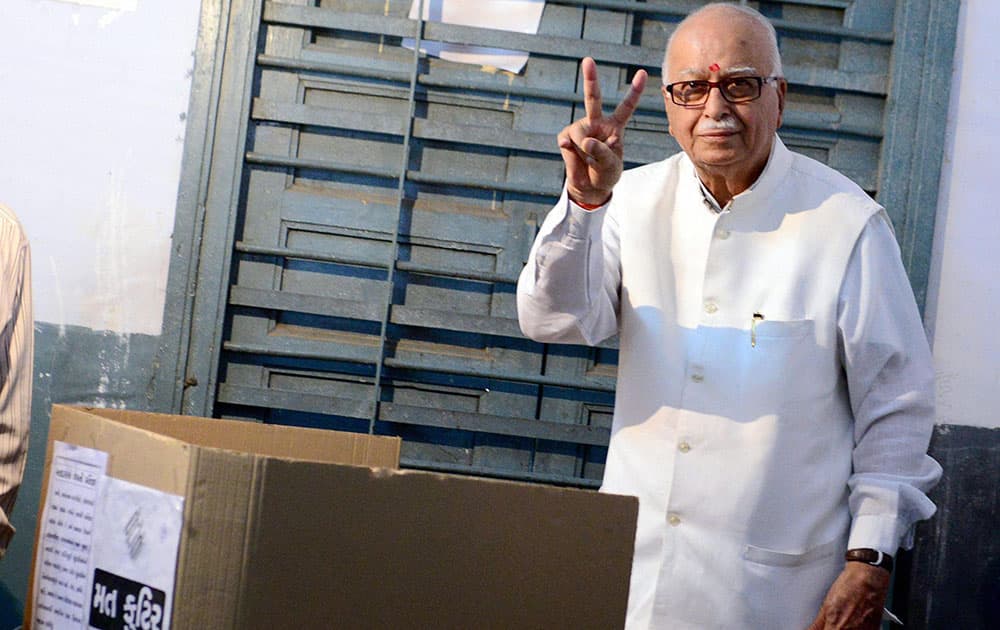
column 736, row 433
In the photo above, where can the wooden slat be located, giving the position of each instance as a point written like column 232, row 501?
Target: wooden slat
column 470, row 368
column 449, row 320
column 303, row 303
column 302, row 348
column 297, row 401
column 500, row 473
column 411, row 175
column 499, row 425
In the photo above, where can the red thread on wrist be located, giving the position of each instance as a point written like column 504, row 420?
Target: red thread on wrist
column 590, row 206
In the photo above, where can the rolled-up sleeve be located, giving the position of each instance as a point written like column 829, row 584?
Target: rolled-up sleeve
column 890, row 378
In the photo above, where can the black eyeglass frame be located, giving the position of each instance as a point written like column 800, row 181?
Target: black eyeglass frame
column 761, row 81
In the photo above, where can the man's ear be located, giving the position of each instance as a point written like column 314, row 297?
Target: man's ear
column 782, row 88
column 666, row 107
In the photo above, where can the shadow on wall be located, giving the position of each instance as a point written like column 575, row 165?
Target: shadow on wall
column 73, row 365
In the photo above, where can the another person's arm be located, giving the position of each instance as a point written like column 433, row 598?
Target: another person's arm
column 16, row 349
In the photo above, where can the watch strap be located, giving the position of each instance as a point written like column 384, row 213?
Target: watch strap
column 873, row 557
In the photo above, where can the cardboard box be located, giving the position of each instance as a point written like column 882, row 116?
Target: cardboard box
column 297, row 528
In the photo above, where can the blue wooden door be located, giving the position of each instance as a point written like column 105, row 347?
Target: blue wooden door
column 353, row 216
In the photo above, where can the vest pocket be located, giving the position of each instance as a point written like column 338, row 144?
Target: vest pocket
column 770, row 329
column 779, row 363
column 784, row 589
column 774, row 558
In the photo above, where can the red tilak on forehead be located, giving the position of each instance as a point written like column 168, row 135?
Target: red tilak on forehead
column 714, row 67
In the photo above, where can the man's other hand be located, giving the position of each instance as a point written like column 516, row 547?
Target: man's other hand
column 855, row 600
column 592, row 146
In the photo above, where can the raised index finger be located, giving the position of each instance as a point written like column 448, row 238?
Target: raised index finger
column 627, row 107
column 591, row 89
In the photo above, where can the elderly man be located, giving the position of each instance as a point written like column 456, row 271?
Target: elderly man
column 774, row 399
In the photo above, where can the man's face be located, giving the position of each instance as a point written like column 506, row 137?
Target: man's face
column 724, row 139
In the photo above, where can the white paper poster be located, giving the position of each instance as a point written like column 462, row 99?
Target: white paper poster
column 62, row 574
column 134, row 556
column 107, row 552
column 519, row 16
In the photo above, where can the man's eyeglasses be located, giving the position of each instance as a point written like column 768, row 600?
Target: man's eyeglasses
column 733, row 89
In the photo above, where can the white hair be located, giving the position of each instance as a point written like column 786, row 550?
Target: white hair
column 746, row 11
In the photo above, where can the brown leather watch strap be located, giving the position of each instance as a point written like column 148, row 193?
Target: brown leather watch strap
column 870, row 556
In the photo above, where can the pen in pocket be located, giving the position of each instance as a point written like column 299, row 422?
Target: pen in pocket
column 757, row 317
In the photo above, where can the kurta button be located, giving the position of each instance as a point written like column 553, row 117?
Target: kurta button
column 684, row 447
column 711, row 307
column 697, row 378
column 673, row 519
column 723, row 234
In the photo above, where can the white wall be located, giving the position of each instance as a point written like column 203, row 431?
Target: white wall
column 91, row 135
column 963, row 306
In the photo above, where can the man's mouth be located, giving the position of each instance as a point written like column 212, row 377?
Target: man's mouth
column 722, row 130
column 717, row 133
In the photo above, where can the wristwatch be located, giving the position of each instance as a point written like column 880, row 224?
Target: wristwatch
column 870, row 556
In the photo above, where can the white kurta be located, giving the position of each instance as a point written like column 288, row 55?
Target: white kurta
column 774, row 384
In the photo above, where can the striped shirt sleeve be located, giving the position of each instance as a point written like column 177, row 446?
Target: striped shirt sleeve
column 16, row 354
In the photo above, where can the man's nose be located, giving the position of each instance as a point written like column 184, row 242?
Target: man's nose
column 716, row 105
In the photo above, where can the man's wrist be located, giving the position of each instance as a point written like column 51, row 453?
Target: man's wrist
column 872, row 557
column 588, row 206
